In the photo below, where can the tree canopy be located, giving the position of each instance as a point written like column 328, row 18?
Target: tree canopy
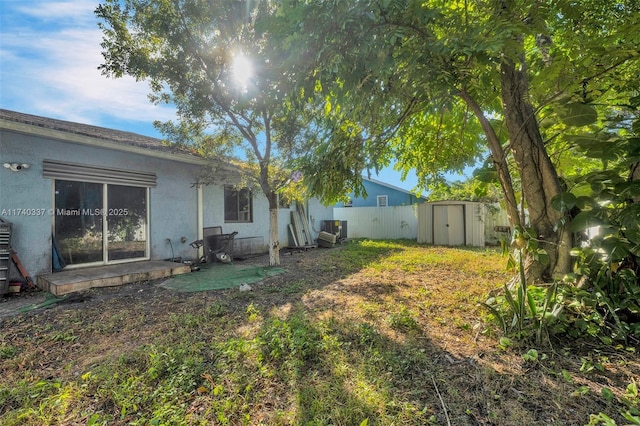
column 415, row 81
column 209, row 61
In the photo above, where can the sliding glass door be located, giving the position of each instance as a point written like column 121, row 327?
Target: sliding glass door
column 126, row 222
column 78, row 231
column 98, row 223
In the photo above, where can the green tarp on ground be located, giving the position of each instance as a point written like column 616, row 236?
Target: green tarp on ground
column 49, row 300
column 219, row 276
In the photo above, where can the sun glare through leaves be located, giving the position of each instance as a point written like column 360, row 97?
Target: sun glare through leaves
column 241, row 71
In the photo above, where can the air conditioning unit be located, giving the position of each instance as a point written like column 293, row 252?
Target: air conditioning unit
column 336, row 227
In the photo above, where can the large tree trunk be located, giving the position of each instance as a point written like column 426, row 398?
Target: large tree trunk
column 538, row 175
column 274, row 244
column 499, row 160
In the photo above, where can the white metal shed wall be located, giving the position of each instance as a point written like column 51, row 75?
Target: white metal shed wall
column 495, row 216
column 474, row 217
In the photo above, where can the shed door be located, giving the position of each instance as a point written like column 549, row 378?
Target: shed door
column 448, row 225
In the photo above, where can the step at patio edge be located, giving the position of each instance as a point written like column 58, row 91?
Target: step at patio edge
column 53, row 284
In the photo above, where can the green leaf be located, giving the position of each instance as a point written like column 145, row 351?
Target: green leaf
column 497, row 315
column 584, row 202
column 584, row 220
column 607, row 394
column 515, row 307
column 581, row 391
column 567, row 376
column 327, row 107
column 564, row 202
column 532, row 304
column 531, row 355
column 505, row 342
column 616, row 248
column 632, row 389
column 486, row 174
column 581, row 189
column 578, row 114
column 542, row 256
column 604, row 147
column 630, row 221
column 635, row 420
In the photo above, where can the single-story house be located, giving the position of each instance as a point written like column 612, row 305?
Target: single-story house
column 381, row 194
column 96, row 196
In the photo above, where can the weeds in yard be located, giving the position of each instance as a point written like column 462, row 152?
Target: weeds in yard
column 7, row 351
column 630, row 412
column 293, row 343
column 216, row 310
column 385, row 335
column 403, row 320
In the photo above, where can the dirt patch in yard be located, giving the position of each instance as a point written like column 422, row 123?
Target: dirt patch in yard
column 339, row 337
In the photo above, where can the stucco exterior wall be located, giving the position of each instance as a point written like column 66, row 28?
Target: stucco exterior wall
column 172, row 204
column 213, row 206
column 317, row 214
column 213, row 214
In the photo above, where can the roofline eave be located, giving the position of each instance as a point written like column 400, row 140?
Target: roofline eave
column 64, row 136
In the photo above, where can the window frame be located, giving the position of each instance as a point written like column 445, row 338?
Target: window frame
column 382, row 197
column 104, row 213
column 238, row 213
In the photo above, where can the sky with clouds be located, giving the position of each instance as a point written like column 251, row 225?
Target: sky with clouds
column 49, row 58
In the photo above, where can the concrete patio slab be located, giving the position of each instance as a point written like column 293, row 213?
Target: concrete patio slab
column 72, row 280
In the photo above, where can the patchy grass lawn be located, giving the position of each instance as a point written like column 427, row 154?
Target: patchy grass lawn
column 385, row 331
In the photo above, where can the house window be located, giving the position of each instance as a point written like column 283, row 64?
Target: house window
column 349, row 203
column 382, row 201
column 237, row 205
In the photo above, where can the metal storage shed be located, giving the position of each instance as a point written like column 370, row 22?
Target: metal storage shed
column 451, row 223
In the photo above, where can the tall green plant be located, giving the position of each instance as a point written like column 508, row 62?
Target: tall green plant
column 522, row 302
column 602, row 208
